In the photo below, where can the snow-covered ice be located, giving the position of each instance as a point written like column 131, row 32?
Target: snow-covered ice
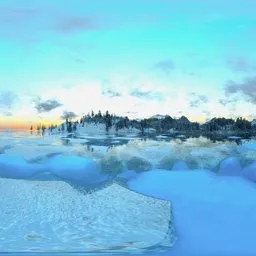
column 52, row 216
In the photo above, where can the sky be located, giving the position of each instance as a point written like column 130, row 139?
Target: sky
column 132, row 57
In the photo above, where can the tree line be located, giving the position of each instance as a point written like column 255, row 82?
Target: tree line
column 164, row 124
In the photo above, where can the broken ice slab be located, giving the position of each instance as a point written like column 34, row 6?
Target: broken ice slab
column 53, row 216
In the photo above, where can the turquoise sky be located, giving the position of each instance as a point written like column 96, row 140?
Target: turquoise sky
column 136, row 58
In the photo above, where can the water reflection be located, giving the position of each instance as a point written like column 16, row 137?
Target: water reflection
column 133, row 153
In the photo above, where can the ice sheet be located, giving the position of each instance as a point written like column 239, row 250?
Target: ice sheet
column 52, row 216
column 214, row 215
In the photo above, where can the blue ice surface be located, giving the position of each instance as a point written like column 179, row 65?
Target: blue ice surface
column 213, row 215
column 75, row 169
column 249, row 172
column 80, row 170
column 248, row 145
column 127, row 175
column 180, row 165
column 230, row 166
column 17, row 167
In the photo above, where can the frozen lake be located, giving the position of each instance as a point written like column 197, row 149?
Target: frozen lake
column 164, row 195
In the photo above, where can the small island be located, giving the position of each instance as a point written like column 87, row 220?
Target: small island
column 157, row 124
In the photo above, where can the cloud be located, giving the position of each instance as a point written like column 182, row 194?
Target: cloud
column 8, row 113
column 225, row 102
column 111, row 93
column 71, row 24
column 16, row 14
column 131, row 112
column 207, row 113
column 198, row 99
column 8, row 99
column 146, row 94
column 27, row 24
column 47, row 106
column 165, row 66
column 240, row 64
column 247, row 88
column 79, row 60
column 68, row 115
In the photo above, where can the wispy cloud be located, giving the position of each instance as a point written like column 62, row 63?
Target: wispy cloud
column 131, row 112
column 71, row 24
column 247, row 88
column 151, row 95
column 16, row 14
column 8, row 113
column 8, row 99
column 47, row 106
column 197, row 100
column 226, row 101
column 111, row 93
column 240, row 64
column 27, row 24
column 165, row 66
column 207, row 113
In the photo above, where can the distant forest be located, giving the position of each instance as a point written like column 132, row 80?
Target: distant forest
column 157, row 123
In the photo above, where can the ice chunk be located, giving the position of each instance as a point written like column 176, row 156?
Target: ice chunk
column 138, row 164
column 35, row 152
column 162, row 137
column 205, row 157
column 81, row 170
column 248, row 157
column 52, row 216
column 112, row 165
column 230, row 166
column 180, row 165
column 181, row 136
column 234, row 137
column 249, row 172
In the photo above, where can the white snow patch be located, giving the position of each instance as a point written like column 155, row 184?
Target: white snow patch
column 51, row 216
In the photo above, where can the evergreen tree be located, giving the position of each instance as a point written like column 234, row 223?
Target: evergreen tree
column 143, row 125
column 43, row 129
column 69, row 127
column 108, row 121
column 74, row 126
